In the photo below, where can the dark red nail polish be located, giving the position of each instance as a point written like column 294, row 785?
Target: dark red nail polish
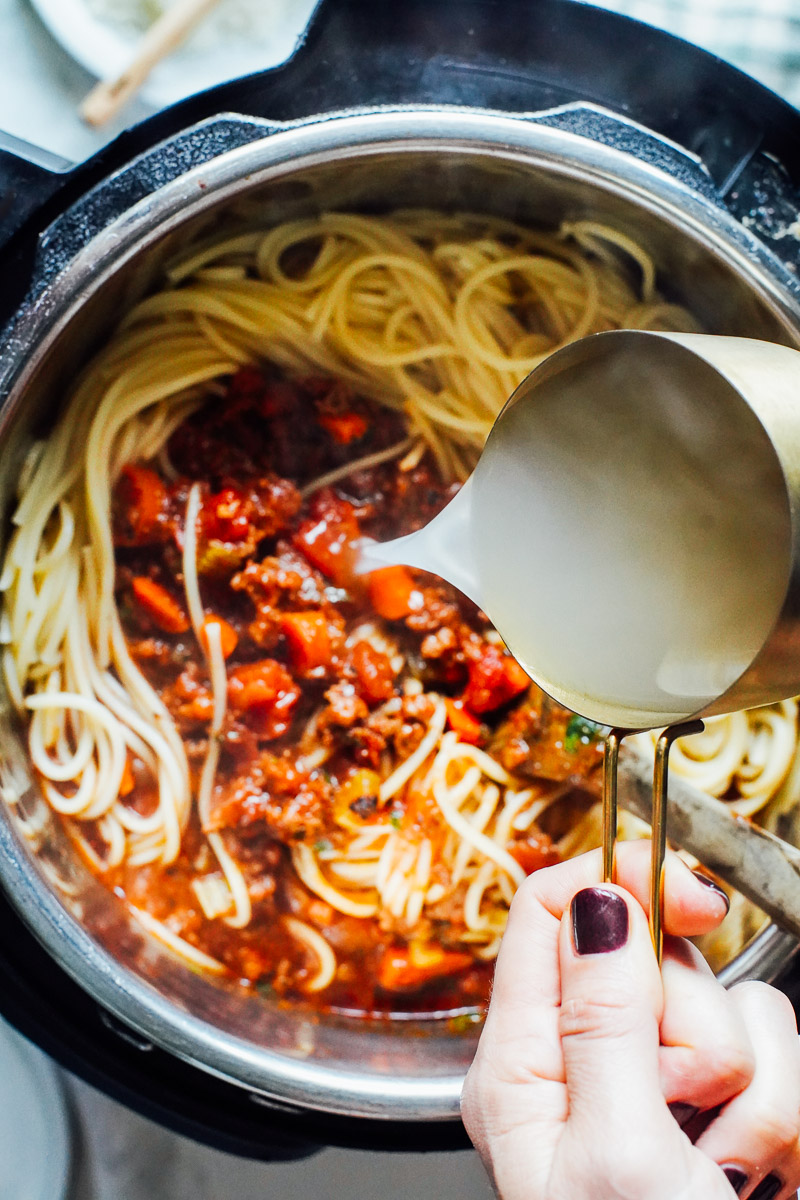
column 682, row 1112
column 694, row 1127
column 768, row 1188
column 736, row 1178
column 701, row 878
column 599, row 921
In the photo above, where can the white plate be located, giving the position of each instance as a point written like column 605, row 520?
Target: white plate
column 34, row 1126
column 216, row 52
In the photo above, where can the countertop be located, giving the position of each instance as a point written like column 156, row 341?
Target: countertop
column 121, row 1156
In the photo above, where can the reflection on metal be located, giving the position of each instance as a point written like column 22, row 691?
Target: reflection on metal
column 659, row 823
column 659, row 816
column 610, row 764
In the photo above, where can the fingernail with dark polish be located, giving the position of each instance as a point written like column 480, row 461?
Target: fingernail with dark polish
column 768, row 1188
column 701, row 878
column 599, row 921
column 682, row 1112
column 736, row 1178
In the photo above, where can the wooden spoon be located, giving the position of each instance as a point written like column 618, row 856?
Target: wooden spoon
column 106, row 99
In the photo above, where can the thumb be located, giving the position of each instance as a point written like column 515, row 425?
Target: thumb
column 611, row 1006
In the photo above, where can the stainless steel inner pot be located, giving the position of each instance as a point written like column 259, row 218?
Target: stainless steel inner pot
column 531, row 169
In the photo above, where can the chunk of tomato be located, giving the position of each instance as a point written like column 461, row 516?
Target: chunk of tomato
column 138, row 502
column 534, row 852
column 462, row 722
column 406, row 968
column 374, row 673
column 226, row 516
column 327, row 538
column 494, row 679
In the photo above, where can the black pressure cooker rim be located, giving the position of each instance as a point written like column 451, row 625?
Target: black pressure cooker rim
column 509, row 55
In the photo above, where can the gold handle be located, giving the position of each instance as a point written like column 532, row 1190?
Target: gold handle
column 659, row 845
column 610, row 764
column 659, row 817
column 110, row 95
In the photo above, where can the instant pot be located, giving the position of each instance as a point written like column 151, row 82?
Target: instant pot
column 539, row 110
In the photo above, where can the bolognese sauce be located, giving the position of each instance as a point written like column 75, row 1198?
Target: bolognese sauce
column 332, row 680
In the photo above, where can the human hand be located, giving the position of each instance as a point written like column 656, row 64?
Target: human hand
column 586, row 1044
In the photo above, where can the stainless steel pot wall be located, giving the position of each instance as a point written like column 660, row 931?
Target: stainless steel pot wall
column 568, row 163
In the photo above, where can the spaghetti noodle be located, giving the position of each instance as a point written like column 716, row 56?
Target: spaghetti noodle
column 290, row 778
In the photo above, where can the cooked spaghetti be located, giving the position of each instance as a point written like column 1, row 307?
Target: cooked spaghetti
column 742, row 756
column 306, row 781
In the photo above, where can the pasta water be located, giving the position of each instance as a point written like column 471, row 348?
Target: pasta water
column 627, row 530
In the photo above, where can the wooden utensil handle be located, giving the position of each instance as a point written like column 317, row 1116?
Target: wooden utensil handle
column 165, row 35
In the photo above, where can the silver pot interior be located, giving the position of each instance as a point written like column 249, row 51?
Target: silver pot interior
column 402, row 1069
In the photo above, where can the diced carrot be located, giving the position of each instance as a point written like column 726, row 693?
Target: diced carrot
column 344, row 427
column 160, row 605
column 517, row 678
column 462, row 722
column 390, row 592
column 266, row 692
column 141, row 495
column 227, row 634
column 308, row 638
column 404, row 969
column 127, row 783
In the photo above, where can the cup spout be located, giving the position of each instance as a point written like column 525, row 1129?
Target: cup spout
column 443, row 547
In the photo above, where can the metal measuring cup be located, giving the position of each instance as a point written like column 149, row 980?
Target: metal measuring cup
column 632, row 529
column 676, row 457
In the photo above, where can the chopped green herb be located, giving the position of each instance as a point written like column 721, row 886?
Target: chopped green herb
column 396, row 818
column 464, row 1022
column 580, row 730
column 265, row 989
column 323, row 846
column 217, row 558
